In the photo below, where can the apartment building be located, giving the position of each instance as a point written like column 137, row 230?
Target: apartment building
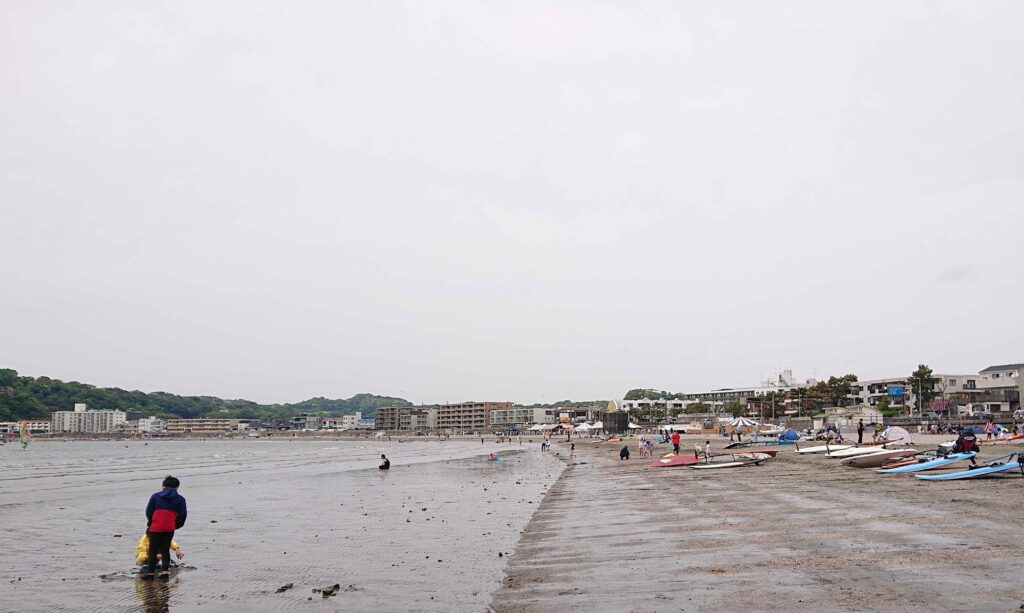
column 82, row 420
column 181, row 426
column 151, row 424
column 304, row 421
column 403, row 418
column 520, row 416
column 468, row 416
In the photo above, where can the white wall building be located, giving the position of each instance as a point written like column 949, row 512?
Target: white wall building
column 351, row 422
column 151, row 424
column 90, row 422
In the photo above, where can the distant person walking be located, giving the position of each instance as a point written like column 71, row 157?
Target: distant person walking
column 572, row 451
column 165, row 513
column 675, row 442
column 860, row 432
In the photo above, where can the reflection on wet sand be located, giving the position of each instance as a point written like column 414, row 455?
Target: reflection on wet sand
column 155, row 596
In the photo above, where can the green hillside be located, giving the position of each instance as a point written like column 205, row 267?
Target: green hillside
column 36, row 397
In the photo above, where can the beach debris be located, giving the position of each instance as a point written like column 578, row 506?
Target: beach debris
column 117, row 536
column 501, row 555
column 716, row 569
column 213, row 521
column 284, row 588
column 329, row 591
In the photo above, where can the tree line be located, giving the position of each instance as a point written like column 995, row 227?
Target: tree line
column 37, row 397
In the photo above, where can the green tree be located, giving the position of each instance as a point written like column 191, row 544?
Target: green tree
column 736, row 408
column 697, row 407
column 922, row 383
column 839, row 389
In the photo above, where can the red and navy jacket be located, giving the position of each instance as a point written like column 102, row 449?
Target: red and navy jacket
column 166, row 511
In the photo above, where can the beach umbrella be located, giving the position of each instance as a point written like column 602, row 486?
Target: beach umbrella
column 742, row 422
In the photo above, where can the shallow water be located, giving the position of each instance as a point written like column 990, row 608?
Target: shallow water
column 263, row 514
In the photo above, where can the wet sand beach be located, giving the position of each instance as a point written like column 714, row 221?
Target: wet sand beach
column 424, row 536
column 799, row 533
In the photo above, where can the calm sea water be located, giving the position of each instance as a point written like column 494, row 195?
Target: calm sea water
column 424, row 536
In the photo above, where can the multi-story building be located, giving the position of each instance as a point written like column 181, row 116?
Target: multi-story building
column 151, row 424
column 180, row 426
column 304, row 421
column 82, row 420
column 418, row 419
column 1000, row 387
column 351, row 422
column 402, row 418
column 39, row 425
column 389, row 418
column 9, row 427
column 521, row 416
column 897, row 392
column 468, row 416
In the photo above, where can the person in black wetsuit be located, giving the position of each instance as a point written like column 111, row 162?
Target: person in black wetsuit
column 624, row 453
column 385, row 463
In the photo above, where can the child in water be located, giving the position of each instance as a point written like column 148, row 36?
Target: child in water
column 142, row 553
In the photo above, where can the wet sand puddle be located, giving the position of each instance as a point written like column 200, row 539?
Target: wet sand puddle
column 424, row 536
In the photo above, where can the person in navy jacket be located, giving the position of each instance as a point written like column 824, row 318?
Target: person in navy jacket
column 165, row 513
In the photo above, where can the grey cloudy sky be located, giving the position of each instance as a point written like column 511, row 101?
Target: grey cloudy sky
column 507, row 200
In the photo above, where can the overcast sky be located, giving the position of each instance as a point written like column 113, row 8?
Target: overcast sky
column 507, row 200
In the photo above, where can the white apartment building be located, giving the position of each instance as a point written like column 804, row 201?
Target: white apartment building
column 82, row 420
column 518, row 416
column 351, row 422
column 40, row 425
column 151, row 424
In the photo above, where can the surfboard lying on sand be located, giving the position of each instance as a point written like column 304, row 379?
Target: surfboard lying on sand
column 673, row 459
column 994, row 468
column 929, row 465
column 824, row 448
column 872, row 460
column 852, row 451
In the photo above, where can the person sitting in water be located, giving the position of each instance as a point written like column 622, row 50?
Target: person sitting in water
column 385, row 463
column 966, row 443
column 142, row 553
column 624, row 453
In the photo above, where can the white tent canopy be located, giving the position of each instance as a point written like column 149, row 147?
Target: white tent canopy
column 633, row 426
column 537, row 427
column 742, row 422
column 598, row 425
column 583, row 427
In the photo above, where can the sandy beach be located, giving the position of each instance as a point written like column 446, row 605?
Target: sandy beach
column 800, row 533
